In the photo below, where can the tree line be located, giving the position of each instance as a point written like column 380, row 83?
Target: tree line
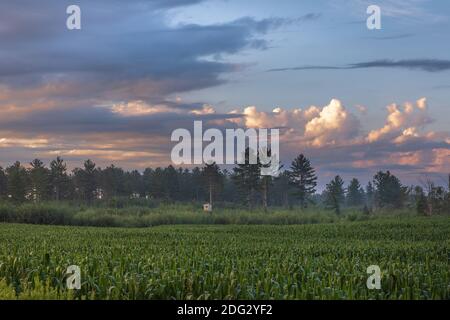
column 244, row 184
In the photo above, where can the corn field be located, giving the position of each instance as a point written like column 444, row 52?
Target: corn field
column 323, row 261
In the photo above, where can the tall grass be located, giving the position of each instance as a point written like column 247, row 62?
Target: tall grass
column 147, row 215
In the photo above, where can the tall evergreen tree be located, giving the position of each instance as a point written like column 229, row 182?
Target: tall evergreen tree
column 303, row 177
column 420, row 201
column 389, row 191
column 267, row 181
column 198, row 188
column 370, row 195
column 111, row 181
column 59, row 179
column 172, row 183
column 158, row 188
column 282, row 189
column 229, row 192
column 147, row 180
column 355, row 193
column 247, row 177
column 134, row 184
column 213, row 179
column 86, row 181
column 335, row 194
column 39, row 178
column 17, row 182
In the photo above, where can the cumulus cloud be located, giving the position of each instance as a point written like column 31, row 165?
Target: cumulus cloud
column 334, row 139
column 402, row 122
column 331, row 125
column 313, row 126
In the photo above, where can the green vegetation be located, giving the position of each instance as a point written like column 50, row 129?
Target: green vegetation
column 323, row 261
column 243, row 186
column 164, row 214
column 267, row 238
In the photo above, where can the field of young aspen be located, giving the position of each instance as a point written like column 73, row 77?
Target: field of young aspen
column 322, row 261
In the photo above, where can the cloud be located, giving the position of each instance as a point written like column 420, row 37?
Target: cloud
column 333, row 138
column 312, row 126
column 124, row 53
column 139, row 108
column 206, row 109
column 137, row 135
column 428, row 65
column 392, row 37
column 332, row 124
column 402, row 122
column 30, row 143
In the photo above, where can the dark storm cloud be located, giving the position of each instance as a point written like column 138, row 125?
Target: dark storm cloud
column 122, row 51
column 97, row 120
column 428, row 65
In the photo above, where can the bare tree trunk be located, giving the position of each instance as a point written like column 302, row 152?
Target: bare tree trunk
column 265, row 195
column 211, row 195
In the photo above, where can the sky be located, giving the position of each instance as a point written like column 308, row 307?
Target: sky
column 353, row 100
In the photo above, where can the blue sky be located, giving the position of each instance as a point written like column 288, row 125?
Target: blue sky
column 353, row 100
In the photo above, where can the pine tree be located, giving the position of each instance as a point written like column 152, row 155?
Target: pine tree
column 420, row 200
column 134, row 184
column 112, row 182
column 355, row 194
column 198, row 189
column 370, row 195
column 303, row 177
column 39, row 186
column 213, row 178
column 335, row 194
column 17, row 182
column 282, row 189
column 247, row 178
column 86, row 181
column 58, row 178
column 389, row 190
column 267, row 180
column 158, row 188
column 172, row 183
